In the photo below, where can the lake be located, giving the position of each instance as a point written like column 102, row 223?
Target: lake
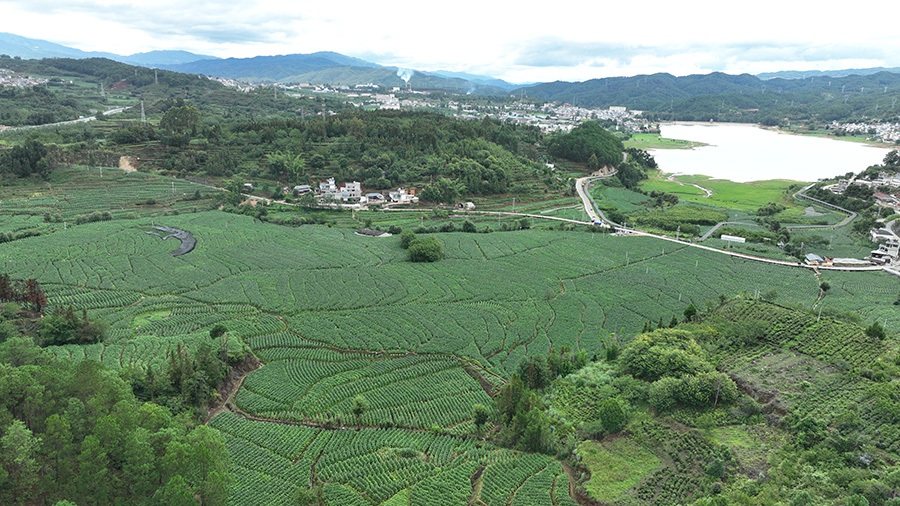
column 748, row 153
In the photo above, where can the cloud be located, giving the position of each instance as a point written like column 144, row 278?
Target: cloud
column 600, row 39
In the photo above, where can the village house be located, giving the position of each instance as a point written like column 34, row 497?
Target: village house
column 887, row 252
column 402, row 195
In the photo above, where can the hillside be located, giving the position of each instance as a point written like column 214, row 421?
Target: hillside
column 84, row 87
column 269, row 68
column 334, row 316
column 742, row 98
column 295, row 355
column 23, row 47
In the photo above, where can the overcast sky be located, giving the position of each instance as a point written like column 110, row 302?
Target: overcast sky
column 571, row 40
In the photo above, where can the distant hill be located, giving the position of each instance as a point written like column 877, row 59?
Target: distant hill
column 35, row 49
column 475, row 78
column 802, row 74
column 324, row 67
column 23, row 47
column 741, row 98
column 351, row 76
column 270, row 68
column 641, row 92
column 163, row 58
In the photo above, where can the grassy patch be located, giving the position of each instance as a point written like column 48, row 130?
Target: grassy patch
column 143, row 319
column 616, row 466
column 726, row 194
column 751, row 445
column 655, row 141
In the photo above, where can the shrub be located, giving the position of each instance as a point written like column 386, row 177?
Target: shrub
column 406, row 238
column 427, row 249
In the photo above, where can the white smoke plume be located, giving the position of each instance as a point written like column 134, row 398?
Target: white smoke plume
column 404, row 74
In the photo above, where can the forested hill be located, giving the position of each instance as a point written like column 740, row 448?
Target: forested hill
column 271, row 68
column 83, row 87
column 725, row 97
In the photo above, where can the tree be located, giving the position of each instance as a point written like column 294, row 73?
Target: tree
column 443, row 191
column 360, row 406
column 208, row 472
column 284, row 165
column 533, row 371
column 585, row 140
column 26, row 159
column 217, row 331
column 93, row 473
column 875, row 331
column 179, row 124
column 426, row 249
column 716, row 469
column 802, row 498
column 611, row 414
column 481, row 414
column 18, row 466
column 690, row 312
column 406, row 238
column 857, row 500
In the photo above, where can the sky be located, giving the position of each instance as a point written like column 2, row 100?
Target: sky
column 521, row 42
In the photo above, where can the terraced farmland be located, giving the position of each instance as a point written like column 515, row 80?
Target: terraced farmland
column 333, row 315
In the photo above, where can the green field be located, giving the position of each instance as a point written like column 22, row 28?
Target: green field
column 655, row 141
column 726, row 194
column 333, row 315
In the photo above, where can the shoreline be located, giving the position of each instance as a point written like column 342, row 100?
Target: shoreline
column 778, row 130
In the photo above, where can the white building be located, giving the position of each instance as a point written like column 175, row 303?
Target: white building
column 402, row 196
column 351, row 191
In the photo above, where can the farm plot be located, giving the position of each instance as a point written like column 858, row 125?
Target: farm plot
column 815, row 369
column 370, row 466
column 76, row 191
column 870, row 294
column 320, row 385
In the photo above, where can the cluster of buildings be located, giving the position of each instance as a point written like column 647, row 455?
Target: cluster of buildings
column 883, row 179
column 19, row 80
column 883, row 132
column 351, row 192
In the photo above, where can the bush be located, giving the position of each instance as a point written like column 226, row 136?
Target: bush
column 428, row 249
column 406, row 238
column 612, row 416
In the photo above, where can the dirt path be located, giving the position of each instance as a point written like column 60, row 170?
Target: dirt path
column 709, row 192
column 231, row 386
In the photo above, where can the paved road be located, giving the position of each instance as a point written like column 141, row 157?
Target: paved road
column 583, row 186
column 720, row 225
column 802, row 195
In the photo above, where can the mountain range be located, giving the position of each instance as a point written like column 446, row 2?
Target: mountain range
column 328, row 67
column 323, row 67
column 23, row 47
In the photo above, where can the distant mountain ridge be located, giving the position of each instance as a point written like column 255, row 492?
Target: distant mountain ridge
column 270, row 68
column 803, row 74
column 33, row 49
